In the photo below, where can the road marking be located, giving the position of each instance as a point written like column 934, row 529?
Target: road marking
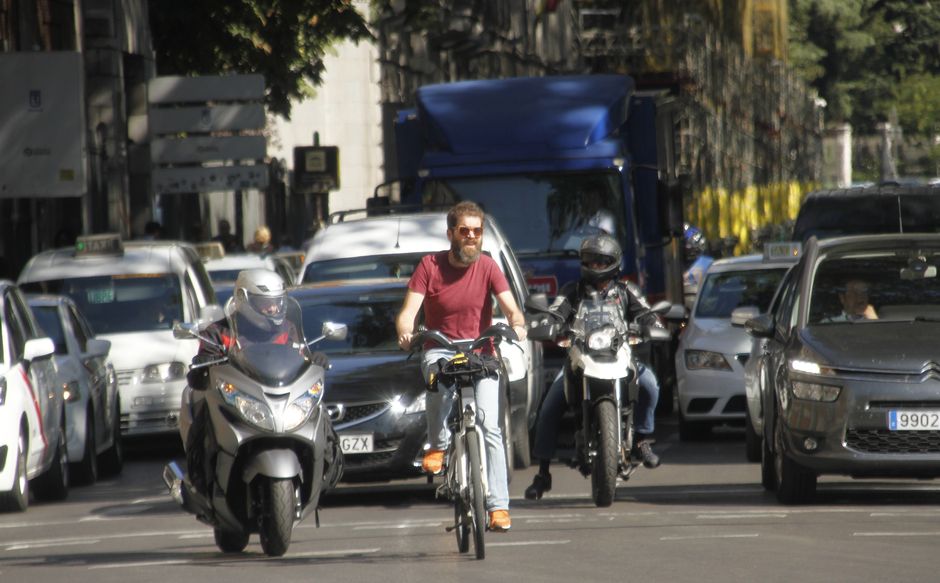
column 710, row 536
column 527, row 543
column 735, row 516
column 80, row 540
column 557, row 520
column 340, row 552
column 896, row 534
column 21, row 547
column 143, row 564
column 399, row 526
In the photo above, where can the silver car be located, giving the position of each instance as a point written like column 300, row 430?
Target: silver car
column 93, row 410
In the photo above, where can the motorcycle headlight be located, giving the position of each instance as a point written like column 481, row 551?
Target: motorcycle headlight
column 601, row 339
column 252, row 410
column 705, row 359
column 163, row 373
column 303, row 407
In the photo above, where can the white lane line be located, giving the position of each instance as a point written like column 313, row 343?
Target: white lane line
column 529, row 543
column 557, row 520
column 336, row 553
column 400, row 526
column 710, row 536
column 893, row 514
column 735, row 516
column 52, row 544
column 896, row 534
column 98, row 538
column 199, row 535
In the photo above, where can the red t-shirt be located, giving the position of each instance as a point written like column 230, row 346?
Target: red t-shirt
column 457, row 300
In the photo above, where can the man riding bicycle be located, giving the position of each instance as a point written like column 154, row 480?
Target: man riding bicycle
column 454, row 287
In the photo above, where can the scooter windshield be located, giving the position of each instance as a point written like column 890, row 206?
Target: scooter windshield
column 597, row 312
column 270, row 345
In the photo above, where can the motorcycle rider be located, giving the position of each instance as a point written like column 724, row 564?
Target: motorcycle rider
column 454, row 288
column 600, row 265
column 258, row 309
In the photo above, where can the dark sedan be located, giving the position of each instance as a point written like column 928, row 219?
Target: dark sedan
column 374, row 393
column 853, row 366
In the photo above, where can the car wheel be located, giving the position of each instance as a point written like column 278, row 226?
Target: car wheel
column 752, row 441
column 17, row 499
column 795, row 484
column 54, row 483
column 86, row 471
column 522, row 446
column 691, row 430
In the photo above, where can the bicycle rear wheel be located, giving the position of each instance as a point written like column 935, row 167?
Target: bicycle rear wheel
column 477, row 502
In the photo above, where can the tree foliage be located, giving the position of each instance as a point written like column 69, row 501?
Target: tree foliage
column 283, row 40
column 869, row 58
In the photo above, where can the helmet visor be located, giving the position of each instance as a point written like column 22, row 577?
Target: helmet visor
column 272, row 307
column 596, row 260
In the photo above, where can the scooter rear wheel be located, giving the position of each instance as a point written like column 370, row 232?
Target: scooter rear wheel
column 230, row 541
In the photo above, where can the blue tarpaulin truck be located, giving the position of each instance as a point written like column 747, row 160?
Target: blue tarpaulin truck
column 553, row 159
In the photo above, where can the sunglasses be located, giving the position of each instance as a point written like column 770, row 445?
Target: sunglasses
column 465, row 231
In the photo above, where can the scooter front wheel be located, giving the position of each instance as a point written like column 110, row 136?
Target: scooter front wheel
column 604, row 470
column 230, row 541
column 276, row 519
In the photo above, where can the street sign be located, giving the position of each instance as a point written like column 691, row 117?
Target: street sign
column 171, row 89
column 206, row 149
column 316, row 168
column 207, row 119
column 209, row 179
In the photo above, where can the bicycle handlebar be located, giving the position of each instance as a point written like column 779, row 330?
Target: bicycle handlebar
column 498, row 330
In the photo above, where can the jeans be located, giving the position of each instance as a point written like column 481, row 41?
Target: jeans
column 553, row 408
column 439, row 406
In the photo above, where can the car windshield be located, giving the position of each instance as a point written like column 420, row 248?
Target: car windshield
column 825, row 216
column 541, row 213
column 876, row 287
column 48, row 319
column 370, row 318
column 381, row 266
column 223, row 275
column 121, row 303
column 723, row 292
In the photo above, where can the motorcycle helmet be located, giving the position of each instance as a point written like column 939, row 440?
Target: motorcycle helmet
column 260, row 296
column 600, row 258
column 695, row 244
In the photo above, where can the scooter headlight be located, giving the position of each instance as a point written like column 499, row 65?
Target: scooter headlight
column 252, row 410
column 303, row 407
column 602, row 339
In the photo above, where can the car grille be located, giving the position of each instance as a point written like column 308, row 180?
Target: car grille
column 885, row 441
column 359, row 412
column 125, row 377
column 736, row 404
column 368, row 459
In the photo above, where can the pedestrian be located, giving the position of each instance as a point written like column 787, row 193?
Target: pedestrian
column 262, row 243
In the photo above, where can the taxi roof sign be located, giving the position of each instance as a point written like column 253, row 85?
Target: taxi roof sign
column 95, row 245
column 782, row 251
column 210, row 250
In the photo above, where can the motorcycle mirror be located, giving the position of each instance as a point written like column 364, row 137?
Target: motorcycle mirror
column 657, row 334
column 334, row 331
column 537, row 302
column 185, row 330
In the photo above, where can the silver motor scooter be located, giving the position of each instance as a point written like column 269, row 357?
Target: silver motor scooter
column 274, row 449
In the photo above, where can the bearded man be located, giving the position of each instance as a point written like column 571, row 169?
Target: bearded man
column 456, row 287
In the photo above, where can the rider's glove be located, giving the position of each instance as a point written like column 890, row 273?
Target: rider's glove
column 320, row 359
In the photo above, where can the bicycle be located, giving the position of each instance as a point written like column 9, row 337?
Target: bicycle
column 465, row 457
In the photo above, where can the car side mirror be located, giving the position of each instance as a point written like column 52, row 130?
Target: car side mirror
column 38, row 348
column 761, row 326
column 741, row 315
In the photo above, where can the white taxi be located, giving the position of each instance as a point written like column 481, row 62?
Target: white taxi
column 132, row 292
column 33, row 451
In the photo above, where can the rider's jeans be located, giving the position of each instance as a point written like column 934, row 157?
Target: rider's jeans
column 439, row 406
column 553, row 408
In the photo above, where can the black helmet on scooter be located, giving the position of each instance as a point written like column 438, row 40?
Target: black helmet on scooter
column 600, row 258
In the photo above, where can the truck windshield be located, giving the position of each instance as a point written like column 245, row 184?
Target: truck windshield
column 541, row 213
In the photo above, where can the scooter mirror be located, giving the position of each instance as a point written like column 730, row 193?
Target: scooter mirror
column 334, row 331
column 185, row 330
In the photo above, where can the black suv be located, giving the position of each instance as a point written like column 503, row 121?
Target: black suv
column 885, row 208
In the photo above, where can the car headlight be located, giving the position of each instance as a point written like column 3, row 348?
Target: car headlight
column 815, row 391
column 416, row 406
column 706, row 359
column 303, row 406
column 163, row 373
column 601, row 339
column 252, row 410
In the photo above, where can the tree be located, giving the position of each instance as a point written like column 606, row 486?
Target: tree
column 283, row 40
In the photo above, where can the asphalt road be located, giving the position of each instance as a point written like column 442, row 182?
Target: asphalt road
column 702, row 516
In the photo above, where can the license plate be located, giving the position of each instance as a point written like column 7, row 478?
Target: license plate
column 356, row 443
column 901, row 420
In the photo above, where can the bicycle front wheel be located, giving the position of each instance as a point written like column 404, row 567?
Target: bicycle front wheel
column 477, row 502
